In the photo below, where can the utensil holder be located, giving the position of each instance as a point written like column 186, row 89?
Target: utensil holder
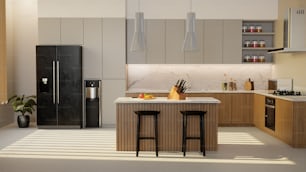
column 173, row 94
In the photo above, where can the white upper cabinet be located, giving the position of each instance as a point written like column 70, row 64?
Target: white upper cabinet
column 196, row 56
column 175, row 32
column 49, row 31
column 133, row 57
column 213, row 41
column 218, row 42
column 232, row 51
column 113, row 49
column 92, row 48
column 155, row 39
column 72, row 31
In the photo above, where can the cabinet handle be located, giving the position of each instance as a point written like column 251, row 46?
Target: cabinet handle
column 57, row 83
column 53, row 76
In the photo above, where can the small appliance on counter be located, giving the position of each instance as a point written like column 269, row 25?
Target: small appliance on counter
column 93, row 104
column 280, row 84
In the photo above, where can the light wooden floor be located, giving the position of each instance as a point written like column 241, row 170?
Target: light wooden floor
column 240, row 149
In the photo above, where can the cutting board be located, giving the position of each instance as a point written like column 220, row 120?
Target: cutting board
column 248, row 85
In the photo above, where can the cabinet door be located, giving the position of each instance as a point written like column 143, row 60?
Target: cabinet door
column 155, row 34
column 137, row 57
column 196, row 56
column 213, row 41
column 232, row 51
column 242, row 111
column 284, row 120
column 92, row 48
column 174, row 41
column 70, row 85
column 113, row 49
column 225, row 107
column 72, row 31
column 225, row 115
column 259, row 111
column 49, row 31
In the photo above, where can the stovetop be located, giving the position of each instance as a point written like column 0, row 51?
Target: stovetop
column 286, row 93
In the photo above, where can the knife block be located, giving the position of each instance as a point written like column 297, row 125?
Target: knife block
column 173, row 94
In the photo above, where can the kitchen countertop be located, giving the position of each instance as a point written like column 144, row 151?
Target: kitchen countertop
column 209, row 100
column 288, row 98
column 261, row 92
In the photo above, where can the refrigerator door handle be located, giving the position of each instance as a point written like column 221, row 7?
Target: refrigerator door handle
column 57, row 82
column 53, row 75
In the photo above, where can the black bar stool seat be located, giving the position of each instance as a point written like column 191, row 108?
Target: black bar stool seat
column 138, row 137
column 202, row 130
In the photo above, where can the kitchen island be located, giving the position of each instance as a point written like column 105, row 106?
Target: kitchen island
column 169, row 123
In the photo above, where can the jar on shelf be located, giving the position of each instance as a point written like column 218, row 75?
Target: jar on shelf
column 244, row 28
column 246, row 58
column 254, row 44
column 247, row 43
column 258, row 28
column 251, row 28
column 254, row 58
column 261, row 58
column 262, row 43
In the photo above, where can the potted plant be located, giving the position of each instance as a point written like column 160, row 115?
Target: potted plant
column 24, row 105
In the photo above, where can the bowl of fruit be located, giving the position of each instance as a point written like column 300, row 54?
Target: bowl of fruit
column 145, row 96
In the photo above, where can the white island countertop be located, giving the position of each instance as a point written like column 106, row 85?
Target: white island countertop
column 209, row 100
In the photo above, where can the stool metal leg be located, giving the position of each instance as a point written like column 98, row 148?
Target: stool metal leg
column 202, row 134
column 156, row 135
column 138, row 135
column 184, row 134
column 203, row 141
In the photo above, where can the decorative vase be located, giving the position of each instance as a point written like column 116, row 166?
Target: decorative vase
column 23, row 121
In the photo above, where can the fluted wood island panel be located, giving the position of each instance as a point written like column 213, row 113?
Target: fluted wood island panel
column 169, row 123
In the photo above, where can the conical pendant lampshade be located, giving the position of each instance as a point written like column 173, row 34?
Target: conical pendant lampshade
column 190, row 41
column 138, row 40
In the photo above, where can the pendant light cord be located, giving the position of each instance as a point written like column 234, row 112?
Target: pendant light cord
column 190, row 5
column 138, row 5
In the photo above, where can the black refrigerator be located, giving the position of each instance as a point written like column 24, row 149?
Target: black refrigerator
column 59, row 86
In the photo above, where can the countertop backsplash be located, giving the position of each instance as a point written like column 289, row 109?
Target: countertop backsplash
column 200, row 77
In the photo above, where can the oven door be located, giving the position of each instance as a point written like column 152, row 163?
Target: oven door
column 270, row 117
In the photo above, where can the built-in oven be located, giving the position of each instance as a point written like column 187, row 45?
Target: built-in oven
column 270, row 113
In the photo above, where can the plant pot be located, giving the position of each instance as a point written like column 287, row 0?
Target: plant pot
column 23, row 121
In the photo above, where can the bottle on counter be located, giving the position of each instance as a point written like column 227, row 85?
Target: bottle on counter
column 224, row 83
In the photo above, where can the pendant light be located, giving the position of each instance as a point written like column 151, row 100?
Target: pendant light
column 138, row 40
column 190, row 41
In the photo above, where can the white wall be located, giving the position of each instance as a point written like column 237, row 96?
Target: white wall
column 22, row 38
column 205, row 9
column 81, row 8
column 291, row 65
column 200, row 76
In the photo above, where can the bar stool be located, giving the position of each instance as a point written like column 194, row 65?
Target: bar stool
column 138, row 137
column 202, row 130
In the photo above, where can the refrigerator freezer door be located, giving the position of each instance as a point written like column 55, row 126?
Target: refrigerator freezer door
column 46, row 107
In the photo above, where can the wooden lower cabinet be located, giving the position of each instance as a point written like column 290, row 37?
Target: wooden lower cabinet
column 236, row 109
column 284, row 120
column 290, row 120
column 242, row 109
column 259, row 111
